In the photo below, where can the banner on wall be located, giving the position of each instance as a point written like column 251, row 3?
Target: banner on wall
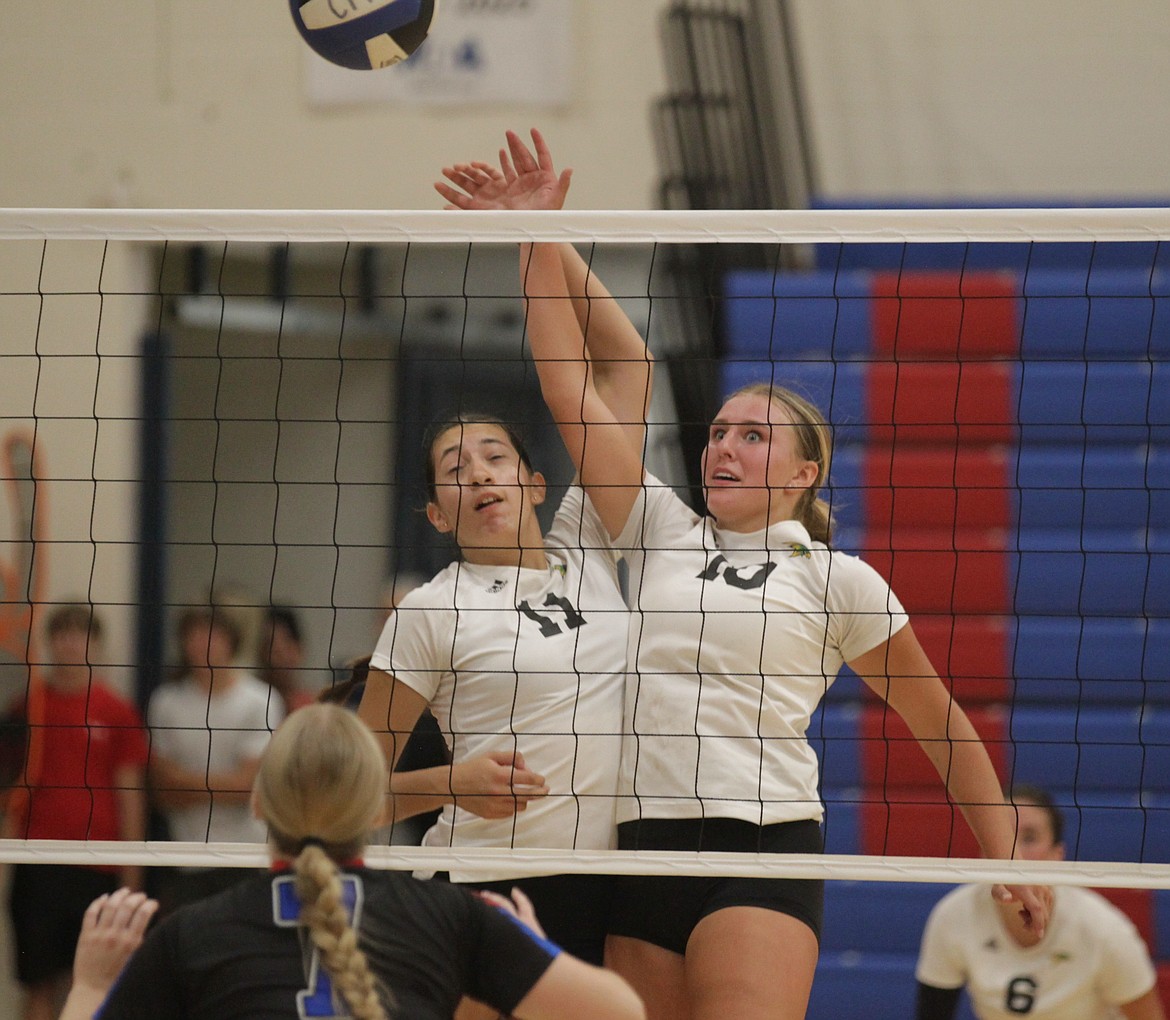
column 478, row 51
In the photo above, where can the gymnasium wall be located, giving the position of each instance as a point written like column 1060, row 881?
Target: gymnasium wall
column 171, row 103
column 167, row 103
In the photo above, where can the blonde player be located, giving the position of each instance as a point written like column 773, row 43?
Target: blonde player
column 741, row 620
column 1091, row 963
column 322, row 935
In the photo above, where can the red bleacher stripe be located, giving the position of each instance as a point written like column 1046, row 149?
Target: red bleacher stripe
column 932, row 486
column 1138, row 906
column 950, row 403
column 941, row 571
column 891, row 759
column 970, row 652
column 945, row 315
column 915, row 823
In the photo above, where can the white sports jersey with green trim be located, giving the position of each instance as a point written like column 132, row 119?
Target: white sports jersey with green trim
column 515, row 659
column 734, row 640
column 1090, row 960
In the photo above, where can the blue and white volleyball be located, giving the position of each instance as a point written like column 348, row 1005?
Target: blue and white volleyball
column 364, row 34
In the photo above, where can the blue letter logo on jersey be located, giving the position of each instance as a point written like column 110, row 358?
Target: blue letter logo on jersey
column 318, row 1000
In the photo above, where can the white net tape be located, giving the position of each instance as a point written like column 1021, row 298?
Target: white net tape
column 627, row 227
column 617, row 227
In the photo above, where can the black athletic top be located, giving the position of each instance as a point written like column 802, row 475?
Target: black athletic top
column 238, row 954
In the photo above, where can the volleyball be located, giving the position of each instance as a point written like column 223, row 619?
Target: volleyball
column 364, row 34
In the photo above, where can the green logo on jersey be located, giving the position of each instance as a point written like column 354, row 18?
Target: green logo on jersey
column 800, row 551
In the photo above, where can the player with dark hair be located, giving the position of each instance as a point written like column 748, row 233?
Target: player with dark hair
column 1091, row 963
column 322, row 935
column 518, row 648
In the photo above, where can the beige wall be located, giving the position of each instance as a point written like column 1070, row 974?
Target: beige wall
column 173, row 103
column 970, row 98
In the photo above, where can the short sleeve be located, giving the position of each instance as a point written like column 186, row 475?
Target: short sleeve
column 940, row 957
column 578, row 525
column 506, row 960
column 658, row 519
column 864, row 611
column 1126, row 970
column 406, row 650
column 265, row 715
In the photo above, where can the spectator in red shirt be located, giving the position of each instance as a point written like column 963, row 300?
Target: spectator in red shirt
column 86, row 782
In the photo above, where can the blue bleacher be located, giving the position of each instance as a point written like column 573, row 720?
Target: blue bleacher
column 1103, row 486
column 870, row 946
column 1093, row 402
column 1088, row 553
column 1162, row 923
column 1090, row 661
column 1102, row 748
column 1056, row 401
column 1091, row 573
column 819, row 316
column 1108, row 313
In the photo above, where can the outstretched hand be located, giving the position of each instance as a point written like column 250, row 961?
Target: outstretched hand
column 112, row 929
column 519, row 906
column 1034, row 903
column 523, row 180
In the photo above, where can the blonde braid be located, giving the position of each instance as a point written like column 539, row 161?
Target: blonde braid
column 319, row 889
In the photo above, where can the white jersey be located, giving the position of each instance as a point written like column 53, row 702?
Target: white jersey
column 734, row 640
column 1090, row 961
column 214, row 734
column 516, row 659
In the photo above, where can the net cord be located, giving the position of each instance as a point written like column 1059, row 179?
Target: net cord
column 484, row 862
column 619, row 227
column 753, row 226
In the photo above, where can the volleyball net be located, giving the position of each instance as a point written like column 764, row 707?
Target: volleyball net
column 235, row 401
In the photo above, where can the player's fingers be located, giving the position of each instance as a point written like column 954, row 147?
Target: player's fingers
column 521, row 778
column 457, row 199
column 543, row 157
column 522, row 159
column 93, row 912
column 490, row 169
column 143, row 912
column 506, row 167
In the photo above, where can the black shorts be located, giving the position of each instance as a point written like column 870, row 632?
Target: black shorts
column 664, row 910
column 573, row 910
column 47, row 903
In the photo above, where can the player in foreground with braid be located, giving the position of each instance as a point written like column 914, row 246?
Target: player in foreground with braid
column 742, row 619
column 325, row 936
column 1091, row 964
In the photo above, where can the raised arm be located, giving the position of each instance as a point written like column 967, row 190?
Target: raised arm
column 900, row 672
column 111, row 930
column 594, row 368
column 623, row 366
